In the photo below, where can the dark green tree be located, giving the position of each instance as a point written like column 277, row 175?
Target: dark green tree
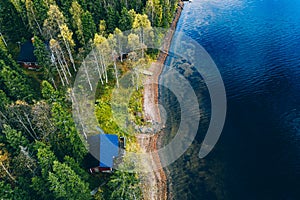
column 49, row 93
column 126, row 20
column 66, row 140
column 11, row 23
column 112, row 19
column 14, row 84
column 88, row 26
column 66, row 184
column 42, row 54
column 40, row 184
column 7, row 192
column 14, row 138
column 4, row 100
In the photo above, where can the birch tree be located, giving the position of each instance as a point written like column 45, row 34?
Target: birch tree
column 36, row 14
column 76, row 12
column 112, row 47
column 102, row 47
column 56, row 28
column 121, row 42
column 143, row 28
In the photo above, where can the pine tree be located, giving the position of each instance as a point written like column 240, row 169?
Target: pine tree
column 112, row 19
column 14, row 138
column 66, row 140
column 45, row 158
column 42, row 54
column 88, row 26
column 126, row 20
column 15, row 85
column 66, row 184
column 77, row 12
column 4, row 100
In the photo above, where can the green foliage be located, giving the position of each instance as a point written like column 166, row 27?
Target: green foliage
column 126, row 20
column 88, row 26
column 15, row 138
column 112, row 19
column 49, row 93
column 7, row 192
column 11, row 23
column 43, row 57
column 136, row 107
column 3, row 100
column 36, row 14
column 16, row 86
column 124, row 185
column 48, row 125
column 45, row 158
column 83, row 174
column 66, row 140
column 66, row 184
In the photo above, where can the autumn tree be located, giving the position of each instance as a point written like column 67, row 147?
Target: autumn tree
column 5, row 166
column 102, row 28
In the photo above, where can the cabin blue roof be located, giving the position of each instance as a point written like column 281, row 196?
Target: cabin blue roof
column 109, row 148
column 26, row 53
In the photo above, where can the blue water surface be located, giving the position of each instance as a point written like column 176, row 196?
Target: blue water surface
column 256, row 46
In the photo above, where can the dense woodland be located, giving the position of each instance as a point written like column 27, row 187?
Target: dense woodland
column 41, row 153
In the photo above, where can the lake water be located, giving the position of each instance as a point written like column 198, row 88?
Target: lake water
column 256, row 47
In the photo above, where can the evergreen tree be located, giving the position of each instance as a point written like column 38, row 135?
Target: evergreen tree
column 66, row 140
column 112, row 19
column 4, row 101
column 42, row 54
column 7, row 192
column 126, row 20
column 16, row 86
column 124, row 185
column 13, row 24
column 15, row 138
column 45, row 159
column 66, row 184
column 49, row 93
column 77, row 12
column 88, row 26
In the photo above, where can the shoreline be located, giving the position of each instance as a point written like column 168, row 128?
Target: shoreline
column 155, row 182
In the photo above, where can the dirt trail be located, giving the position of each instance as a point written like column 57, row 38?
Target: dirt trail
column 155, row 182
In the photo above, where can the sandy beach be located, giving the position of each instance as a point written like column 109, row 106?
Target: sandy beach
column 155, row 182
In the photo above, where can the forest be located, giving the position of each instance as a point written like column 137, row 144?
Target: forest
column 41, row 153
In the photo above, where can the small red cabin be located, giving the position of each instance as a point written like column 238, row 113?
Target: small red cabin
column 26, row 57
